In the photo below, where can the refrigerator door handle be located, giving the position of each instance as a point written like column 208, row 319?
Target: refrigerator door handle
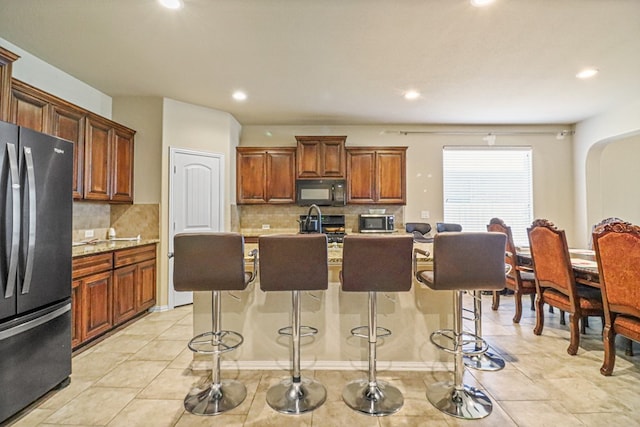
column 31, row 178
column 15, row 218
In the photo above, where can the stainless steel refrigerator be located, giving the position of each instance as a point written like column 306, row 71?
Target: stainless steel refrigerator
column 35, row 265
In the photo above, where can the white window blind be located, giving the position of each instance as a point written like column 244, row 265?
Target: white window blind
column 485, row 182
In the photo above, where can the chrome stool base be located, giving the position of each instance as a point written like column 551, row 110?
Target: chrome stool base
column 216, row 398
column 468, row 403
column 484, row 362
column 291, row 397
column 377, row 400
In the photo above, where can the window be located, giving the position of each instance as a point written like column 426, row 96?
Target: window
column 485, row 182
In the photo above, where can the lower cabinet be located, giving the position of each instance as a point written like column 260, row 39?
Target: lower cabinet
column 110, row 288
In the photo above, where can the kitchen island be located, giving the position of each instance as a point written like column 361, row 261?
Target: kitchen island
column 258, row 315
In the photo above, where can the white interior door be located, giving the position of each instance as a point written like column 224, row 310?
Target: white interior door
column 196, row 198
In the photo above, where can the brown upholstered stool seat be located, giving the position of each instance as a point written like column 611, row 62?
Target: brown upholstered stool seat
column 212, row 262
column 294, row 263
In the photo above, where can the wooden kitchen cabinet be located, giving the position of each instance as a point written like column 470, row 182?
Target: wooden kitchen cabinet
column 122, row 166
column 320, row 157
column 265, row 175
column 111, row 288
column 91, row 312
column 108, row 161
column 134, row 281
column 68, row 123
column 30, row 107
column 7, row 58
column 376, row 175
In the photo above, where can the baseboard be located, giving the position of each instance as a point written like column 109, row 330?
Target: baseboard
column 157, row 308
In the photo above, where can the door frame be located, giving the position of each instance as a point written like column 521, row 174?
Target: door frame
column 171, row 230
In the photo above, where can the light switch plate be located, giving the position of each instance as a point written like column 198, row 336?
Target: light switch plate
column 424, row 214
column 88, row 233
column 266, row 226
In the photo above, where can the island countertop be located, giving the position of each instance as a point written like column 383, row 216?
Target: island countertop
column 102, row 246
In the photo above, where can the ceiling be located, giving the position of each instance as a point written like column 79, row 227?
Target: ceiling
column 340, row 62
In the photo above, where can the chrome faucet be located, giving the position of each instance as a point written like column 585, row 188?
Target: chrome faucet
column 307, row 221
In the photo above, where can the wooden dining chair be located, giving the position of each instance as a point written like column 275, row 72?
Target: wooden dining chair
column 520, row 280
column 617, row 247
column 555, row 281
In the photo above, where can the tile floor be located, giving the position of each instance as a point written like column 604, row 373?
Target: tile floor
column 139, row 376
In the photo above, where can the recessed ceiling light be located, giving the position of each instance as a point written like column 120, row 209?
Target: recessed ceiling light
column 480, row 3
column 239, row 95
column 411, row 94
column 587, row 73
column 172, row 4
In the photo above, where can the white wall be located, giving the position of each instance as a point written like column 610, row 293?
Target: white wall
column 620, row 176
column 144, row 115
column 197, row 128
column 42, row 75
column 590, row 139
column 552, row 161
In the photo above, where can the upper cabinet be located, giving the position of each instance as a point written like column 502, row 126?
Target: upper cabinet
column 376, row 175
column 6, row 64
column 68, row 123
column 103, row 150
column 30, row 107
column 320, row 157
column 108, row 161
column 265, row 175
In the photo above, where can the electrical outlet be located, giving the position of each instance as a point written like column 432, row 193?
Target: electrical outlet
column 88, row 233
column 266, row 226
column 424, row 214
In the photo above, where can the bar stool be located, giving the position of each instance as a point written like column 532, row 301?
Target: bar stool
column 375, row 264
column 463, row 261
column 212, row 262
column 294, row 263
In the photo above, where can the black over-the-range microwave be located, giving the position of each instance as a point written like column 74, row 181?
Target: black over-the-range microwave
column 321, row 192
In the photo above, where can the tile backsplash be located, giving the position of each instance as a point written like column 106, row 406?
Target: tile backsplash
column 286, row 216
column 128, row 220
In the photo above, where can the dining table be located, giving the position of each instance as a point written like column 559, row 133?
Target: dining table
column 583, row 261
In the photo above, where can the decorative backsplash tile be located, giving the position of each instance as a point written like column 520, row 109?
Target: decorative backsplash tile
column 127, row 220
column 286, row 216
column 139, row 219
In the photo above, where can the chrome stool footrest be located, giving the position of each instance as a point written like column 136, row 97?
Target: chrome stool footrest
column 380, row 332
column 305, row 331
column 449, row 335
column 215, row 342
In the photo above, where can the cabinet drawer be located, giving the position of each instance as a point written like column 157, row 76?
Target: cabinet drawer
column 91, row 264
column 133, row 255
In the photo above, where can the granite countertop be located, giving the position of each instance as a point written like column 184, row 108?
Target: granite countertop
column 108, row 246
column 335, row 252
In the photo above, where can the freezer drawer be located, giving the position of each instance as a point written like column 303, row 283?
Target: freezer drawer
column 35, row 356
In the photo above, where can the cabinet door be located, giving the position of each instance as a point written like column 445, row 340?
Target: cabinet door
column 320, row 157
column 96, row 304
column 6, row 65
column 251, row 170
column 391, row 176
column 28, row 109
column 308, row 159
column 281, row 166
column 146, row 285
column 361, row 173
column 76, row 313
column 69, row 124
column 122, row 167
column 97, row 160
column 333, row 157
column 124, row 293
